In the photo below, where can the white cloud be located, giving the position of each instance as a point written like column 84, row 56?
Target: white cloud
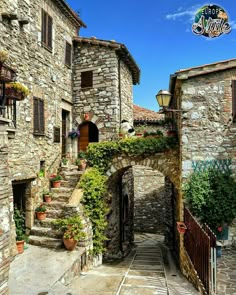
column 182, row 13
column 233, row 25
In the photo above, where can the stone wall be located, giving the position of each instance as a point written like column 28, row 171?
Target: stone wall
column 110, row 99
column 126, row 85
column 101, row 100
column 47, row 77
column 149, row 200
column 6, row 211
column 208, row 132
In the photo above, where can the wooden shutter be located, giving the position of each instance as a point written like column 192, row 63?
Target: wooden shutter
column 68, row 54
column 234, row 99
column 38, row 116
column 57, row 136
column 49, row 36
column 44, row 27
column 86, row 79
column 41, row 116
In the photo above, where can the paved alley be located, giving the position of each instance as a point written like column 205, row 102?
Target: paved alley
column 142, row 272
column 226, row 272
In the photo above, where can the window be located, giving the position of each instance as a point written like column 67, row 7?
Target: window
column 46, row 30
column 38, row 116
column 68, row 54
column 86, row 79
column 234, row 99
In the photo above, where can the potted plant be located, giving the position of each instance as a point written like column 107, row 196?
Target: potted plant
column 16, row 90
column 41, row 212
column 64, row 162
column 71, row 229
column 156, row 133
column 19, row 219
column 81, row 161
column 47, row 196
column 74, row 133
column 3, row 56
column 56, row 180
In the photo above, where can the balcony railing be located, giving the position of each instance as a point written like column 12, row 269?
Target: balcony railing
column 9, row 112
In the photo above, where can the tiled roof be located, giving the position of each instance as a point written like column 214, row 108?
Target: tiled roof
column 70, row 13
column 206, row 69
column 145, row 115
column 121, row 50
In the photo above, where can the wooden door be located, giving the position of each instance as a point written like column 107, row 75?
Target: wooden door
column 84, row 137
column 63, row 133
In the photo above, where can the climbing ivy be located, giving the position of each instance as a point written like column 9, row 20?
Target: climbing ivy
column 211, row 195
column 94, row 188
column 94, row 182
column 99, row 155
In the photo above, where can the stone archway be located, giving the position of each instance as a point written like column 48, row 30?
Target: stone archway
column 167, row 163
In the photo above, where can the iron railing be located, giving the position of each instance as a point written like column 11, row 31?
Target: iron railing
column 197, row 243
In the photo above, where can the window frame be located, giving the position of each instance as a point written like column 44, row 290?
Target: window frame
column 86, row 79
column 68, row 54
column 39, row 115
column 46, row 30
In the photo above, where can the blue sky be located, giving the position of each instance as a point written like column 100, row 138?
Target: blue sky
column 158, row 35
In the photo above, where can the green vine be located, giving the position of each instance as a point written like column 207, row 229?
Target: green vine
column 99, row 155
column 94, row 182
column 211, row 195
column 94, row 188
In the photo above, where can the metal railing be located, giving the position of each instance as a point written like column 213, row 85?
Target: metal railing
column 200, row 245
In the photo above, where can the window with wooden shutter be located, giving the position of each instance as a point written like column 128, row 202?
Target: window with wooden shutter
column 38, row 116
column 68, row 54
column 234, row 99
column 86, row 79
column 46, row 30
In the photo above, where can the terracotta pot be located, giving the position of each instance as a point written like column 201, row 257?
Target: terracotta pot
column 47, row 198
column 82, row 165
column 20, row 246
column 41, row 215
column 56, row 184
column 70, row 244
column 172, row 133
column 181, row 227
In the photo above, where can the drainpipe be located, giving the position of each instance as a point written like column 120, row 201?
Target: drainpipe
column 119, row 86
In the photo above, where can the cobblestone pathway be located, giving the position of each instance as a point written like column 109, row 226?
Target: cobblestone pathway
column 226, row 272
column 141, row 273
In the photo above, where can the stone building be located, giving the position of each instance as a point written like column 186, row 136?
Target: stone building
column 64, row 73
column 104, row 72
column 38, row 37
column 207, row 97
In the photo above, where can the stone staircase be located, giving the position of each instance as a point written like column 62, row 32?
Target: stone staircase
column 43, row 233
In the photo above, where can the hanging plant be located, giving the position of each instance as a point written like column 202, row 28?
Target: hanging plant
column 74, row 133
column 3, row 56
column 16, row 90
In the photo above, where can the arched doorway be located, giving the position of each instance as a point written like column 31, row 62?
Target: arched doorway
column 88, row 133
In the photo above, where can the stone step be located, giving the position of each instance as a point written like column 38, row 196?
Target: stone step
column 45, row 232
column 74, row 173
column 55, row 204
column 46, row 242
column 44, row 223
column 62, row 190
column 54, row 213
column 69, row 168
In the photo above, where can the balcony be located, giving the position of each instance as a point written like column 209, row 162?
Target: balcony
column 7, row 105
